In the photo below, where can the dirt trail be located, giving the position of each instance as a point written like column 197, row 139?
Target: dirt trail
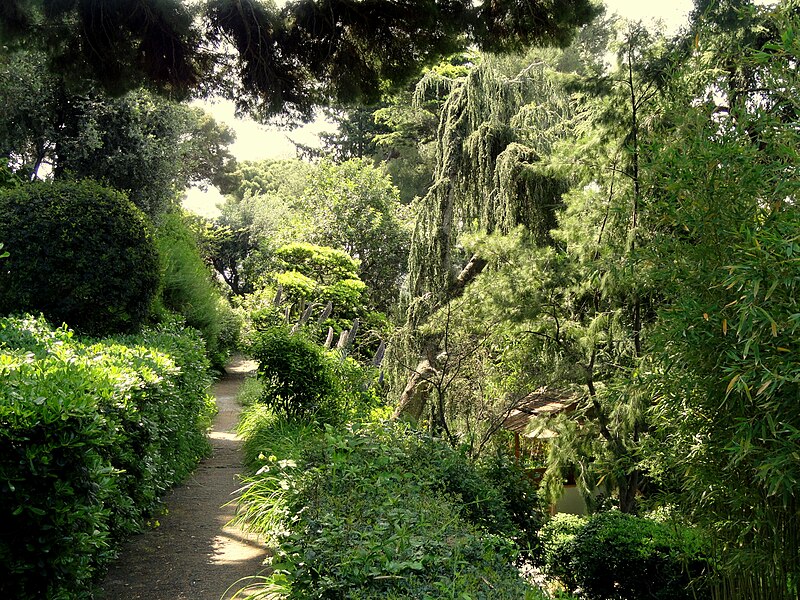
column 192, row 555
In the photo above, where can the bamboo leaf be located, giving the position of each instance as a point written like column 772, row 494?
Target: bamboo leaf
column 732, row 383
column 771, row 289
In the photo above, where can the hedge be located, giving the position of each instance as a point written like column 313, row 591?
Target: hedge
column 91, row 435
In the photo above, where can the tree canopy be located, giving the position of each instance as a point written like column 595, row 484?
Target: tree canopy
column 275, row 60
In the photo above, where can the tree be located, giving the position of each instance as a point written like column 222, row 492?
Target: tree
column 151, row 148
column 140, row 143
column 487, row 179
column 263, row 210
column 283, row 60
column 353, row 206
column 726, row 256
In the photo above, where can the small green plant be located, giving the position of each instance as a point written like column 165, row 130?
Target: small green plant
column 250, row 391
column 555, row 538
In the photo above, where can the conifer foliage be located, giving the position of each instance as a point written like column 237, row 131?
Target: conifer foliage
column 284, row 60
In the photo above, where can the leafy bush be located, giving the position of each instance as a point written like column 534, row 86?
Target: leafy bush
column 319, row 263
column 373, row 515
column 188, row 289
column 617, row 556
column 297, row 380
column 520, row 495
column 555, row 538
column 90, row 436
column 80, row 253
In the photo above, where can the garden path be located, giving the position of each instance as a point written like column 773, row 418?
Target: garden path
column 192, row 554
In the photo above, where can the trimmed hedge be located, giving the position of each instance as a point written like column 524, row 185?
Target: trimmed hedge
column 80, row 253
column 91, row 435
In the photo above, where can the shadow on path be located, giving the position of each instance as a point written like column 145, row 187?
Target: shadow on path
column 192, row 555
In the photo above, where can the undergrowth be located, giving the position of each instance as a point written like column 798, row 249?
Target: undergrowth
column 373, row 511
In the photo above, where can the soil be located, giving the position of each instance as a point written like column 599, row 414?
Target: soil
column 192, row 554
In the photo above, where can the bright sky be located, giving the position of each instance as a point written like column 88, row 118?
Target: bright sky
column 257, row 142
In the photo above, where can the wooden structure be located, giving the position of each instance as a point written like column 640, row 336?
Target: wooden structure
column 544, row 402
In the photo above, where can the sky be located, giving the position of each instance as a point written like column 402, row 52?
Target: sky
column 259, row 142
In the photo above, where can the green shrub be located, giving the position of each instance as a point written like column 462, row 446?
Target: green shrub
column 188, row 289
column 367, row 513
column 80, row 253
column 555, row 539
column 617, row 556
column 356, row 395
column 520, row 495
column 298, row 382
column 91, row 434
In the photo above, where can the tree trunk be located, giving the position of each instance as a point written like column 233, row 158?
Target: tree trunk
column 415, row 396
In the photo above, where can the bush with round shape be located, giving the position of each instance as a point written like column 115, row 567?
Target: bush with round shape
column 618, row 556
column 78, row 252
column 298, row 380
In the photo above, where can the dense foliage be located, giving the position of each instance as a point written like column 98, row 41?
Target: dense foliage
column 91, row 435
column 381, row 512
column 350, row 207
column 272, row 59
column 188, row 289
column 296, row 374
column 650, row 283
column 616, row 556
column 146, row 146
column 78, row 252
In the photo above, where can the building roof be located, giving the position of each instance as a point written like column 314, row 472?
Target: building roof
column 543, row 402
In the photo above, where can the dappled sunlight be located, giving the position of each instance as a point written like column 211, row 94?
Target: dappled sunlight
column 231, row 548
column 223, row 435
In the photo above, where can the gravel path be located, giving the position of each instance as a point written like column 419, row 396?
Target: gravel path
column 192, row 555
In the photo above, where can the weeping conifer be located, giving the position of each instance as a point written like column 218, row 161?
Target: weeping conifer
column 488, row 178
column 487, row 174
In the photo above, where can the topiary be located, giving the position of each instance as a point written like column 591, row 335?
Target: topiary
column 78, row 252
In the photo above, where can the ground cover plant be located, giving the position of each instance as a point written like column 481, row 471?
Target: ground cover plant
column 92, row 433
